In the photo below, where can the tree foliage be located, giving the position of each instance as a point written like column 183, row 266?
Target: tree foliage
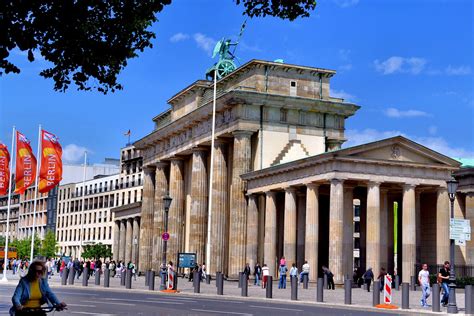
column 49, row 245
column 88, row 43
column 23, row 247
column 96, row 251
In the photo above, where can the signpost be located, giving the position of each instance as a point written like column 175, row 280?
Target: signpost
column 186, row 260
column 459, row 230
column 165, row 236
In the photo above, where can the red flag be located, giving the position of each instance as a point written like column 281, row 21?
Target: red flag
column 51, row 164
column 4, row 169
column 25, row 164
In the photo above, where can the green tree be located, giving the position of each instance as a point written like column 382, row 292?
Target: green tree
column 23, row 247
column 89, row 43
column 2, row 241
column 49, row 245
column 96, row 251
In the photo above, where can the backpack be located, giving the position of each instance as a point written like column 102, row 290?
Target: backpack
column 283, row 269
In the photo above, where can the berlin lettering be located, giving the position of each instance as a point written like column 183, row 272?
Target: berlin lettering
column 51, row 174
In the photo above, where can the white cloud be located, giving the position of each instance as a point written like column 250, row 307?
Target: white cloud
column 433, row 130
column 343, row 95
column 346, row 3
column 178, row 37
column 204, row 42
column 458, row 71
column 397, row 64
column 439, row 144
column 393, row 112
column 73, row 153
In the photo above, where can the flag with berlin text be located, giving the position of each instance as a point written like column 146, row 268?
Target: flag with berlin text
column 51, row 162
column 4, row 169
column 25, row 171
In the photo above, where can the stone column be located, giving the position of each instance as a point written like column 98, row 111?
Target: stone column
column 238, row 204
column 418, row 226
column 336, row 227
column 116, row 244
column 252, row 230
column 176, row 211
column 199, row 197
column 348, row 238
column 270, row 232
column 469, row 202
column 442, row 225
column 289, row 236
column 312, row 229
column 408, row 232
column 384, row 228
column 135, row 239
column 219, row 210
column 123, row 240
column 373, row 227
column 146, row 231
column 161, row 189
column 129, row 240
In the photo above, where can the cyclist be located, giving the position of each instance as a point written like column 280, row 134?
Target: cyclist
column 33, row 291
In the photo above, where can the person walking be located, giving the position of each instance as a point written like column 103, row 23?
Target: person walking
column 381, row 278
column 247, row 271
column 257, row 271
column 424, row 280
column 330, row 278
column 368, row 277
column 265, row 273
column 282, row 282
column 304, row 271
column 294, row 272
column 443, row 278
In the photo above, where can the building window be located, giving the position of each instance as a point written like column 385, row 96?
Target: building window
column 283, row 115
column 293, row 87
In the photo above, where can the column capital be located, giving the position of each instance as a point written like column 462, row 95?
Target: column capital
column 220, row 142
column 374, row 183
column 289, row 189
column 442, row 189
column 199, row 149
column 148, row 169
column 241, row 133
column 161, row 164
column 312, row 185
column 175, row 158
column 336, row 181
column 270, row 193
column 408, row 186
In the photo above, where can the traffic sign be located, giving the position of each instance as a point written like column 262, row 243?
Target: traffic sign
column 165, row 236
column 459, row 230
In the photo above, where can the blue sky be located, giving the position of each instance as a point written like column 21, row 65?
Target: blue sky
column 408, row 64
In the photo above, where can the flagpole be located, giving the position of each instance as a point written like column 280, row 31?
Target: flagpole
column 83, row 203
column 12, row 157
column 38, row 168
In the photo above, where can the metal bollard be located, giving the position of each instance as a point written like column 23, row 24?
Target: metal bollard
column 64, row 277
column 245, row 286
column 348, row 291
column 376, row 293
column 320, row 290
column 269, row 287
column 405, row 295
column 106, row 277
column 97, row 277
column 128, row 279
column 435, row 298
column 175, row 281
column 147, row 277
column 122, row 278
column 196, row 282
column 294, row 288
column 469, row 299
column 208, row 279
column 220, row 283
column 240, row 279
column 151, row 280
column 413, row 283
column 325, row 281
column 71, row 276
column 397, row 282
column 305, row 281
column 85, row 277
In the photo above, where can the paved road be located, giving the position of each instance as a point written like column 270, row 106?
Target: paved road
column 106, row 302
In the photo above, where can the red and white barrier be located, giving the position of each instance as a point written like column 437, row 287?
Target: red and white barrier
column 387, row 292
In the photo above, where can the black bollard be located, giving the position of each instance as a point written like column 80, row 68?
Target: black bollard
column 305, row 281
column 294, row 288
column 122, row 277
column 175, row 281
column 217, row 274
column 469, row 299
column 151, row 280
column 220, row 283
column 147, row 277
column 85, row 277
column 106, row 277
column 245, row 286
column 397, row 282
column 376, row 293
column 325, row 281
column 320, row 290
column 348, row 291
column 128, row 279
column 64, row 277
column 413, row 283
column 269, row 287
column 97, row 277
column 71, row 276
column 208, row 279
column 405, row 295
column 196, row 282
column 435, row 298
column 240, row 279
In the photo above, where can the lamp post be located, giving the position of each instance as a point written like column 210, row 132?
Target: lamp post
column 452, row 307
column 166, row 203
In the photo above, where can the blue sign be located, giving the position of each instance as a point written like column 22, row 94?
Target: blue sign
column 186, row 260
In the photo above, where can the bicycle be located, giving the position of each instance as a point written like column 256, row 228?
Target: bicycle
column 40, row 310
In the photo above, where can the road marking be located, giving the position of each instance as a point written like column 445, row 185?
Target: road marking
column 78, row 293
column 148, row 301
column 279, row 308
column 117, row 303
column 81, row 305
column 220, row 312
column 88, row 313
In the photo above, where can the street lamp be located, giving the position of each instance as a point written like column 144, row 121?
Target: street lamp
column 166, row 203
column 452, row 307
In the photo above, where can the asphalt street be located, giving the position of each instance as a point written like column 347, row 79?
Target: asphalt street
column 110, row 302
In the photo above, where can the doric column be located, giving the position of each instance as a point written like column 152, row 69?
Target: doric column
column 442, row 225
column 238, row 204
column 312, row 229
column 161, row 189
column 373, row 227
column 252, row 230
column 348, row 239
column 129, row 240
column 219, row 209
column 336, row 227
column 123, row 240
column 408, row 232
column 199, row 196
column 270, row 232
column 418, row 226
column 289, row 235
column 469, row 202
column 176, row 211
column 146, row 231
column 136, row 239
column 384, row 228
column 116, row 244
